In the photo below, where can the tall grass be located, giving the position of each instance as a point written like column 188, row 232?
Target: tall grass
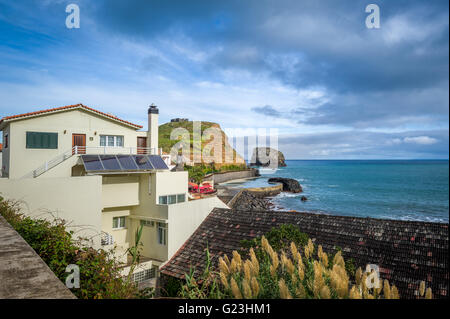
column 305, row 272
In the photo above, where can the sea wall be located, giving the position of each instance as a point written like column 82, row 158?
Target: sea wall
column 228, row 176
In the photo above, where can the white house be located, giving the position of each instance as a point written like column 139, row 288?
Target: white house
column 102, row 175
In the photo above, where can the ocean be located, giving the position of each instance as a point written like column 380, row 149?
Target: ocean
column 396, row 189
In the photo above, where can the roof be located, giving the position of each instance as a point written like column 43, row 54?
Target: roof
column 406, row 252
column 66, row 108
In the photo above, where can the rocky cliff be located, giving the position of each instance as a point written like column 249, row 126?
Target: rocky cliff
column 213, row 143
column 266, row 156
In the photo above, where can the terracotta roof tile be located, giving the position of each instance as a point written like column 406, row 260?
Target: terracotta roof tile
column 386, row 243
column 63, row 108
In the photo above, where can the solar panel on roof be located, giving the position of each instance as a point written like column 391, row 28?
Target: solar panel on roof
column 123, row 163
column 110, row 162
column 142, row 162
column 127, row 162
column 92, row 163
column 157, row 162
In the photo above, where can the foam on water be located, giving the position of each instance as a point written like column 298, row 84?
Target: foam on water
column 403, row 190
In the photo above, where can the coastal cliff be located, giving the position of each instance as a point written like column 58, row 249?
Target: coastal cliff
column 260, row 155
column 228, row 155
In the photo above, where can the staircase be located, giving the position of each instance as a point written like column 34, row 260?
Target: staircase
column 52, row 163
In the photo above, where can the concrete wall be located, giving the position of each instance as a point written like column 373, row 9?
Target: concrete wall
column 65, row 124
column 23, row 274
column 122, row 237
column 78, row 200
column 228, row 176
column 119, row 191
column 170, row 183
column 184, row 219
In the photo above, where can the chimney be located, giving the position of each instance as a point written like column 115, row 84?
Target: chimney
column 152, row 134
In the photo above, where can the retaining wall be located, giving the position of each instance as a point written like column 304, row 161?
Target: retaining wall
column 228, row 176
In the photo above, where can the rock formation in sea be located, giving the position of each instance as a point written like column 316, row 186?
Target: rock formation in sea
column 267, row 157
column 289, row 184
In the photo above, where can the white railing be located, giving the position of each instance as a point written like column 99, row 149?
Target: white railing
column 93, row 150
column 106, row 239
column 110, row 150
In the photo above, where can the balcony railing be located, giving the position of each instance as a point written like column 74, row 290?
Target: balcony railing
column 110, row 150
column 94, row 150
column 106, row 239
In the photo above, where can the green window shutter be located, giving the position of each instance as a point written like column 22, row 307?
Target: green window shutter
column 42, row 140
column 54, row 140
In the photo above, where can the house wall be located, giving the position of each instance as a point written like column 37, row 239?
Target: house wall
column 184, row 219
column 65, row 124
column 63, row 169
column 119, row 191
column 78, row 200
column 122, row 237
column 170, row 183
column 151, row 248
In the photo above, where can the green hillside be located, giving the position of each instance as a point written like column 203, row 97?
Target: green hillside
column 166, row 143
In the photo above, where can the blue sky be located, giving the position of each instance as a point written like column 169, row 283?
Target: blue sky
column 333, row 88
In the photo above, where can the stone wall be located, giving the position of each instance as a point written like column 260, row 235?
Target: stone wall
column 228, row 176
column 23, row 274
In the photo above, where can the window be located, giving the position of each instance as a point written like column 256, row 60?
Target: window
column 162, row 233
column 148, row 223
column 119, row 222
column 181, row 198
column 163, row 200
column 172, row 199
column 42, row 140
column 111, row 140
column 6, row 141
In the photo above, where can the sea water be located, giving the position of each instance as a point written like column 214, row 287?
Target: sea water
column 405, row 190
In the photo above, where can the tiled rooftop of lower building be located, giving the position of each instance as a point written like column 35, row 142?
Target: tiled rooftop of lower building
column 407, row 252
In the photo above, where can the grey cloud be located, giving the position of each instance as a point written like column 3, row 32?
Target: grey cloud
column 363, row 144
column 267, row 110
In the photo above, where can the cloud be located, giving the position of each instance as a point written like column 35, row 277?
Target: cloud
column 421, row 140
column 366, row 145
column 266, row 110
column 303, row 66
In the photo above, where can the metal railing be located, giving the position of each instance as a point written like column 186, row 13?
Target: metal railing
column 91, row 150
column 110, row 150
column 106, row 239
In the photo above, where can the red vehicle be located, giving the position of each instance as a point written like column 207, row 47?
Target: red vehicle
column 204, row 188
column 192, row 187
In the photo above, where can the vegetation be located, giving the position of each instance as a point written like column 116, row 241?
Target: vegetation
column 166, row 143
column 166, row 129
column 198, row 172
column 295, row 270
column 99, row 270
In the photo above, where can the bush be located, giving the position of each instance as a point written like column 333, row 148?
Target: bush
column 198, row 172
column 99, row 270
